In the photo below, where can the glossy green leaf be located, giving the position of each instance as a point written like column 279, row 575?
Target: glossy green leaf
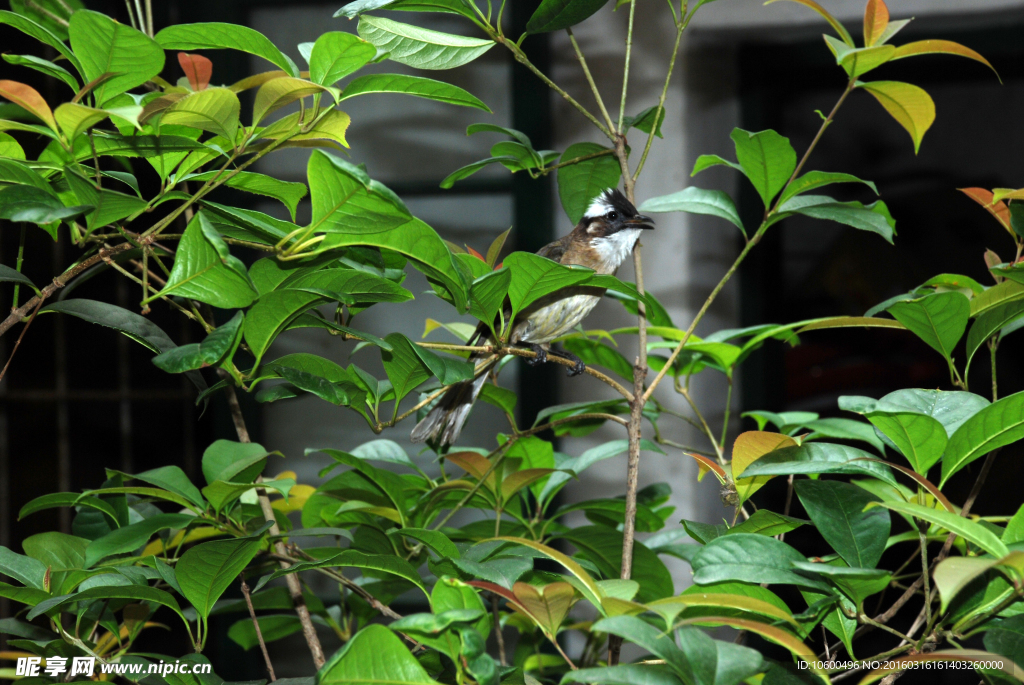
column 990, row 323
column 418, row 47
column 110, row 206
column 950, row 408
column 592, row 352
column 35, row 206
column 172, row 479
column 9, row 275
column 969, row 530
column 624, row 674
column 697, row 201
column 208, row 569
column 817, row 179
column 580, row 183
column 41, row 33
column 384, row 563
column 237, row 462
column 767, row 159
column 487, row 294
column 337, row 54
column 765, row 522
column 750, row 559
column 357, row 7
column 215, row 110
column 346, row 200
column 407, row 365
column 205, row 270
column 105, row 46
column 374, row 655
column 644, row 121
column 998, row 424
column 819, row 457
column 939, row 320
column 555, row 15
column 134, row 536
column 10, row 149
column 920, row 438
column 288, row 193
column 68, row 499
column 874, row 217
column 598, row 544
column 837, row 510
column 412, row 85
column 1007, row 638
column 215, row 35
column 220, row 342
column 141, row 593
column 46, row 67
column 434, row 539
column 534, row 276
column 470, row 169
column 26, row 570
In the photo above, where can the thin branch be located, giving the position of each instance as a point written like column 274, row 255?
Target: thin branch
column 259, row 633
column 590, row 78
column 625, row 73
column 660, row 113
column 17, row 344
column 497, row 630
column 704, row 424
column 59, row 282
column 294, row 586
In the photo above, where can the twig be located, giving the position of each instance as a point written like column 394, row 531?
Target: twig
column 20, row 336
column 497, row 630
column 625, row 72
column 590, row 78
column 294, row 585
column 704, row 424
column 259, row 633
column 59, row 282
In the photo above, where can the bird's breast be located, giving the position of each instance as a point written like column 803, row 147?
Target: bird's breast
column 556, row 317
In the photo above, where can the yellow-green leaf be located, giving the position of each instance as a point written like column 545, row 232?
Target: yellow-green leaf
column 727, row 601
column 593, row 592
column 278, row 92
column 909, row 105
column 840, row 29
column 74, row 119
column 214, row 110
column 941, row 47
column 850, row 322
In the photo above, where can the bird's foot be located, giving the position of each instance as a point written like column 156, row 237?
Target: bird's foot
column 541, row 358
column 577, row 367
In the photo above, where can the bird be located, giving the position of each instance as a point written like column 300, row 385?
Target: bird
column 603, row 238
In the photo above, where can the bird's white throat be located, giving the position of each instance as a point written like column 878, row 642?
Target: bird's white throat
column 613, row 249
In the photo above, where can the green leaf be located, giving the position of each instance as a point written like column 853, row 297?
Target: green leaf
column 216, row 35
column 289, row 194
column 41, row 33
column 138, row 328
column 272, row 314
column 990, row 323
column 534, row 276
column 920, row 438
column 221, row 494
column 592, row 352
column 603, row 546
column 9, row 148
column 75, row 119
column 220, row 342
column 697, row 201
column 9, row 275
column 421, row 48
column 750, row 559
column 865, row 218
column 272, row 628
column 623, row 674
column 346, row 200
column 412, row 85
column 644, row 121
column 68, row 499
column 172, row 479
column 354, row 9
column 837, row 510
column 767, row 159
column 35, row 206
column 817, row 179
column 950, row 408
column 105, row 46
column 957, row 573
column 374, row 655
column 407, row 365
column 1006, row 637
column 46, row 67
column 208, row 569
column 141, row 593
column 337, row 54
column 384, row 563
column 555, row 15
column 110, row 206
column 590, row 457
column 909, row 105
column 764, row 522
column 470, row 169
column 487, row 294
column 434, row 539
column 389, row 484
column 939, row 320
column 205, row 270
column 278, row 92
column 215, row 110
column 998, row 424
column 237, row 462
column 969, row 530
column 580, row 183
column 26, row 570
column 133, row 537
column 819, row 457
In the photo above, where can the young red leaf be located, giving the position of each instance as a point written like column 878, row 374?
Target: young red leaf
column 29, row 99
column 475, row 253
column 198, row 70
column 876, row 18
column 997, row 209
column 992, row 260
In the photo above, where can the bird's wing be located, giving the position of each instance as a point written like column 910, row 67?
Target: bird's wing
column 554, row 251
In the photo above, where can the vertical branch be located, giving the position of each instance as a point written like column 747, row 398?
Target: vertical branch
column 17, row 265
column 294, row 585
column 259, row 633
column 625, row 74
column 497, row 630
column 590, row 79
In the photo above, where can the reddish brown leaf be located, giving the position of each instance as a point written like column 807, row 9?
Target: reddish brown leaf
column 475, row 253
column 198, row 70
column 29, row 99
column 992, row 260
column 984, row 198
column 941, row 47
column 876, row 18
column 704, row 465
column 924, row 482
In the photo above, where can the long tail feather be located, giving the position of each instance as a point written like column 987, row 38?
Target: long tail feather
column 444, row 422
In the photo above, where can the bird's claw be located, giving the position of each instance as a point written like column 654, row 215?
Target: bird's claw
column 576, row 369
column 541, row 358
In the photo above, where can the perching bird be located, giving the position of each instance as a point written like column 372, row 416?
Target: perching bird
column 601, row 241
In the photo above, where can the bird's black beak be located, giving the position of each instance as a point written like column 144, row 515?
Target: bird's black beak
column 640, row 221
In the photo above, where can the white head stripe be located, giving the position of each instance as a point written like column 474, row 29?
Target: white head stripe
column 599, row 207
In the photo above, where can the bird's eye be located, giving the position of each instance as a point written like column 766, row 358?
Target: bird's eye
column 612, row 216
